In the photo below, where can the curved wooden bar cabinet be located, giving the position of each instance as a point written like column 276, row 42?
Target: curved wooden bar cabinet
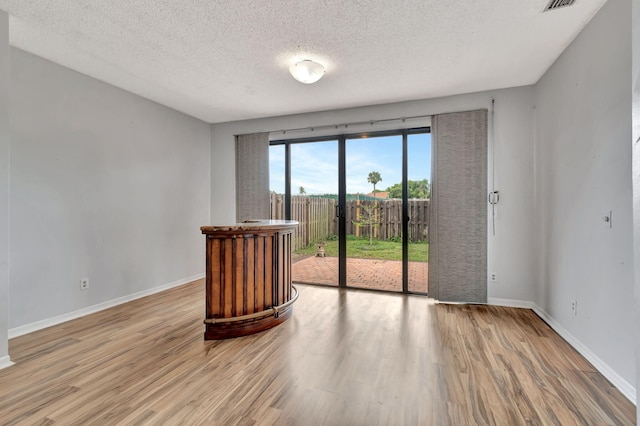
column 248, row 277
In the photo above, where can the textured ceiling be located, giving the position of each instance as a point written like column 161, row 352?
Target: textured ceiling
column 228, row 60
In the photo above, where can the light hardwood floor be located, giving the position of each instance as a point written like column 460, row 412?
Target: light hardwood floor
column 344, row 358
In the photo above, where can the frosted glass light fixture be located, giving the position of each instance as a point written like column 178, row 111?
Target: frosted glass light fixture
column 307, row 71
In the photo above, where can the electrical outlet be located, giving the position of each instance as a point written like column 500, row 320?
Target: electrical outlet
column 84, row 283
column 494, row 277
column 574, row 307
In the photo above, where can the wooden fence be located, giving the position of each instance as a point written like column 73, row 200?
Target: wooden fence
column 316, row 216
column 387, row 219
column 318, row 219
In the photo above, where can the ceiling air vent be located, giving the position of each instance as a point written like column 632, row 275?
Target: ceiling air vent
column 557, row 4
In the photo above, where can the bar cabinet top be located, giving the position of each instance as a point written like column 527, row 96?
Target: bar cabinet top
column 251, row 226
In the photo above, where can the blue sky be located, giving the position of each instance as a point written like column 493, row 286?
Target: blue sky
column 314, row 166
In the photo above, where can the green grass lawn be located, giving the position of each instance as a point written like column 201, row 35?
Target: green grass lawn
column 359, row 248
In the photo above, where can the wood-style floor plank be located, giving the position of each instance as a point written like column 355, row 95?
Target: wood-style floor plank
column 345, row 358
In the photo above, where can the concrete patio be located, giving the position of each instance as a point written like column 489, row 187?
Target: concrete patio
column 371, row 274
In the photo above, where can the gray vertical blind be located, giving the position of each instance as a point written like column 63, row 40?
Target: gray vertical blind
column 252, row 177
column 458, row 235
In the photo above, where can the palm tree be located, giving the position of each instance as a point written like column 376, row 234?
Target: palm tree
column 302, row 191
column 374, row 178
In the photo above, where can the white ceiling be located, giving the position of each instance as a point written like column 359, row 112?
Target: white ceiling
column 225, row 60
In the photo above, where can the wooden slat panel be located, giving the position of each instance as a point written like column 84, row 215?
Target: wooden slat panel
column 287, row 264
column 260, row 273
column 227, row 278
column 281, row 270
column 239, row 288
column 250, row 286
column 214, row 302
column 268, row 269
column 284, row 266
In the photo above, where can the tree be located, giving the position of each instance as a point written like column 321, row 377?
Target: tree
column 302, row 191
column 417, row 189
column 374, row 178
column 368, row 218
column 420, row 189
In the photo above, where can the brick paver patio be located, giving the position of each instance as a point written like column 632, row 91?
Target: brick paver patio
column 362, row 273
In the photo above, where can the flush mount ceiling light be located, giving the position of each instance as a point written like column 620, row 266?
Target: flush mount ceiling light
column 307, row 71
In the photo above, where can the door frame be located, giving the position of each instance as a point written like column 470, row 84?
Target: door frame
column 342, row 191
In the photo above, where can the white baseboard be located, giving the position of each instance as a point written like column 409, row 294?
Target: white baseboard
column 39, row 325
column 5, row 362
column 620, row 383
column 511, row 303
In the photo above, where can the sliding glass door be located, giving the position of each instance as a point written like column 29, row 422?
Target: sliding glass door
column 362, row 202
column 373, row 218
column 313, row 201
column 418, row 166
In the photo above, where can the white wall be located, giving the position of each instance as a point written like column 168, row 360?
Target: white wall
column 583, row 170
column 510, row 253
column 105, row 185
column 4, row 187
column 635, row 78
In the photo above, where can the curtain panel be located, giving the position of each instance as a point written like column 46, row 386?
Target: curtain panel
column 458, row 234
column 252, row 177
